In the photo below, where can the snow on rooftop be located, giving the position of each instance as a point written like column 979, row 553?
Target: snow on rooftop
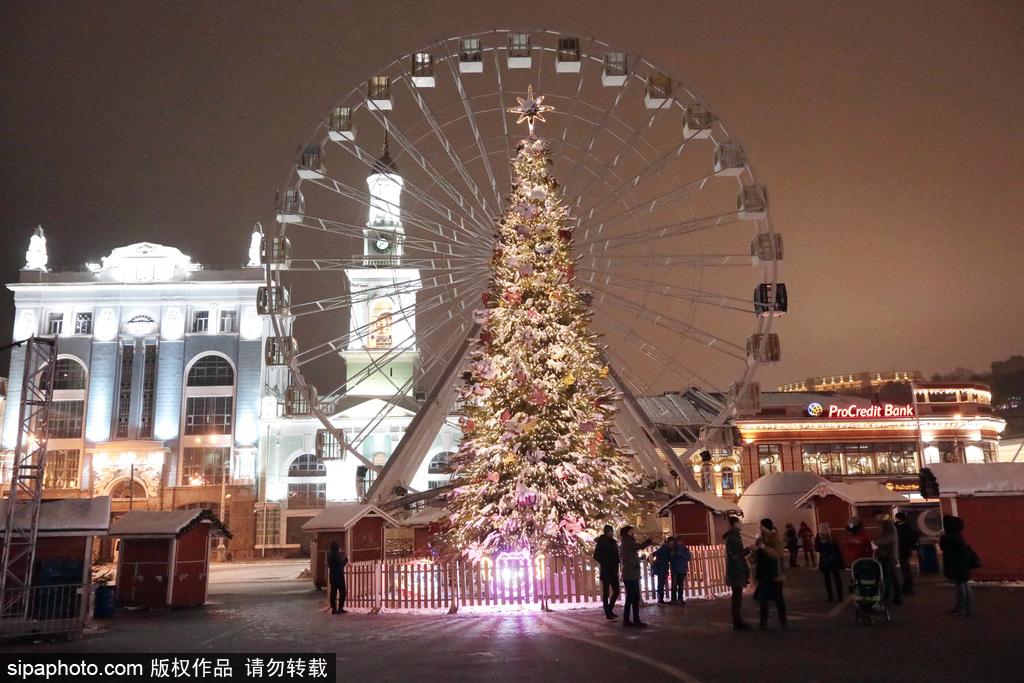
column 855, row 493
column 968, row 479
column 72, row 517
column 342, row 516
column 163, row 523
column 707, row 499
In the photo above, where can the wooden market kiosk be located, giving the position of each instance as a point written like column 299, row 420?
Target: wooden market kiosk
column 699, row 517
column 164, row 556
column 990, row 499
column 357, row 527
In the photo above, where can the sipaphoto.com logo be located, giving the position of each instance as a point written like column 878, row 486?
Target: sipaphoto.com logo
column 815, row 409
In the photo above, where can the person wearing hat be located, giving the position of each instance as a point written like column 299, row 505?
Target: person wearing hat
column 737, row 571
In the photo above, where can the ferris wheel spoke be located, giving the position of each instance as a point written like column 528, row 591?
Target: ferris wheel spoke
column 478, row 220
column 647, row 172
column 476, row 132
column 364, row 198
column 681, row 191
column 671, row 324
column 446, row 245
column 460, row 167
column 665, row 231
column 575, row 100
column 651, row 350
column 408, row 312
column 441, row 281
column 637, row 132
column 452, row 263
column 379, row 361
column 601, row 262
column 506, row 135
column 716, row 299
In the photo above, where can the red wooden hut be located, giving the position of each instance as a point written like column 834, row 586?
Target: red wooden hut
column 164, row 557
column 836, row 503
column 358, row 527
column 67, row 532
column 990, row 499
column 699, row 517
column 426, row 524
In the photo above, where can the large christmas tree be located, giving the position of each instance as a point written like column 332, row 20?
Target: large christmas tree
column 537, row 470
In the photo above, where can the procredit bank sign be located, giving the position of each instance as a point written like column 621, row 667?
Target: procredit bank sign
column 889, row 410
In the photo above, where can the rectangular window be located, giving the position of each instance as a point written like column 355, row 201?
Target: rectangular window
column 83, row 323
column 769, row 458
column 62, row 468
column 55, row 323
column 470, row 51
column 208, row 415
column 422, row 64
column 148, row 392
column 200, row 321
column 615, row 63
column 307, row 495
column 228, row 322
column 268, row 526
column 431, row 485
column 204, row 466
column 124, row 392
column 519, row 44
column 66, row 419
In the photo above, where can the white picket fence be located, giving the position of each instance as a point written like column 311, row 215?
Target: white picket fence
column 411, row 584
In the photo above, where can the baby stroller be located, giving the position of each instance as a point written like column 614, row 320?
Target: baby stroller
column 867, row 589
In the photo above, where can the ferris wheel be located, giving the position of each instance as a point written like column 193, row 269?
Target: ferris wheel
column 386, row 228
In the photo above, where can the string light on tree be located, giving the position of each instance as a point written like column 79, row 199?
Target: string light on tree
column 538, row 471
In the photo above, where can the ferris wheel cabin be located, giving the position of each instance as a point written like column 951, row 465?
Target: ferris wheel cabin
column 764, row 348
column 423, row 70
column 378, row 93
column 766, row 247
column 659, row 91
column 471, row 56
column 615, row 69
column 730, row 159
column 567, row 59
column 697, row 122
column 311, row 164
column 291, row 206
column 752, row 203
column 339, row 125
column 519, row 51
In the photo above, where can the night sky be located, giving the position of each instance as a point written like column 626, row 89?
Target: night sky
column 888, row 134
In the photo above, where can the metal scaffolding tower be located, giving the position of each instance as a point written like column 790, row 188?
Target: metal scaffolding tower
column 29, row 459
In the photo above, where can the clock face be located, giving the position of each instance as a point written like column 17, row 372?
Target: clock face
column 382, row 244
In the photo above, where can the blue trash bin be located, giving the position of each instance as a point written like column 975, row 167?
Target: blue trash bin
column 928, row 558
column 106, row 602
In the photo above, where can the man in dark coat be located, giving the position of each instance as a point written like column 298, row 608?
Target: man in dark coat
column 958, row 559
column 909, row 539
column 606, row 554
column 631, row 575
column 336, row 561
column 737, row 572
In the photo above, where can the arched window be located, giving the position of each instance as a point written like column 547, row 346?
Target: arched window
column 211, row 371
column 307, row 465
column 67, row 414
column 128, row 488
column 439, row 463
column 728, row 483
column 209, row 410
column 708, row 477
column 307, row 482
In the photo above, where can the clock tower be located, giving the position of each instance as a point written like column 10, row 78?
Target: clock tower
column 382, row 355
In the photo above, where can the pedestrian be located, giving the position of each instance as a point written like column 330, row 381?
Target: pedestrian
column 680, row 568
column 737, row 572
column 661, row 564
column 958, row 559
column 789, row 538
column 909, row 540
column 606, row 554
column 886, row 552
column 336, row 561
column 630, row 551
column 830, row 561
column 857, row 543
column 807, row 540
column 768, row 559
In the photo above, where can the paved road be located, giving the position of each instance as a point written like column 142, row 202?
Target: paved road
column 277, row 613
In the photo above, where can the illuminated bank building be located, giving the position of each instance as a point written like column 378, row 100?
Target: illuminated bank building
column 886, row 436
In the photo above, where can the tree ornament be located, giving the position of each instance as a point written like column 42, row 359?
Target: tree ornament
column 569, row 380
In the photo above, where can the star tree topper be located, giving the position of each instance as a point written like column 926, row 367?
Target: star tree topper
column 531, row 109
